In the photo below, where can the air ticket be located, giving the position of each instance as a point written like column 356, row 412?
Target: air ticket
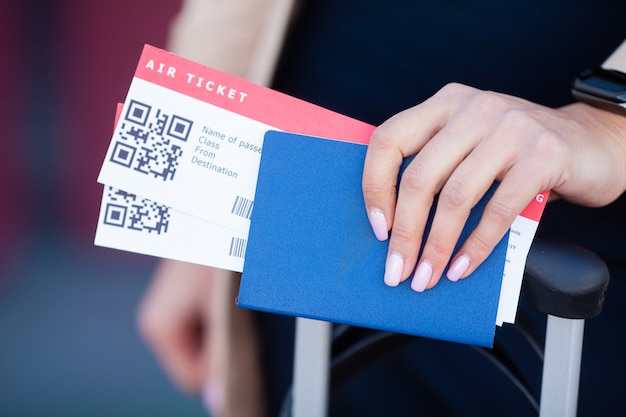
column 181, row 139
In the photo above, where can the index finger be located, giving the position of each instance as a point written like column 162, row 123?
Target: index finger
column 403, row 135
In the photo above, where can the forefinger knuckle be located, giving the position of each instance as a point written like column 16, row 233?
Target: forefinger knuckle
column 383, row 137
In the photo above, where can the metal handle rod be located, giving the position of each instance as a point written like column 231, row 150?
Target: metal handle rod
column 311, row 368
column 561, row 367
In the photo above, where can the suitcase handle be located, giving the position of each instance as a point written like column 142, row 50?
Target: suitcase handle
column 564, row 280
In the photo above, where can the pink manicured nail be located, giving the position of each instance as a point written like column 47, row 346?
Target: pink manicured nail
column 458, row 268
column 213, row 398
column 393, row 269
column 379, row 224
column 422, row 276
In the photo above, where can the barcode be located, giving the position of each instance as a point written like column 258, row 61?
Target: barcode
column 237, row 247
column 129, row 211
column 148, row 140
column 242, row 207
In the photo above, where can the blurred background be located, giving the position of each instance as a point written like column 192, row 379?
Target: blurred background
column 68, row 341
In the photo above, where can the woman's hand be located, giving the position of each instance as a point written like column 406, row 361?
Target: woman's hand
column 178, row 320
column 464, row 139
column 188, row 317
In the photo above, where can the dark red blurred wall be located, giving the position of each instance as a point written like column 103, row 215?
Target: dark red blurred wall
column 64, row 65
column 100, row 43
column 14, row 209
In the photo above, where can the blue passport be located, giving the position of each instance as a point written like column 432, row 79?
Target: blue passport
column 312, row 253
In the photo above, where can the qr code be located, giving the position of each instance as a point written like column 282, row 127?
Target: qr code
column 128, row 211
column 149, row 140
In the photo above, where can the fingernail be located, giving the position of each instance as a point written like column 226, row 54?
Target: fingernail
column 213, row 397
column 393, row 269
column 422, row 276
column 458, row 268
column 379, row 224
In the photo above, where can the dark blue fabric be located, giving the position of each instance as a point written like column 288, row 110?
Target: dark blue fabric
column 370, row 59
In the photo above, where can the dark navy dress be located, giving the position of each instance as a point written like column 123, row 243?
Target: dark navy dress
column 370, row 59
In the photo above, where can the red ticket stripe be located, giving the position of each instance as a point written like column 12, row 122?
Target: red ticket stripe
column 251, row 100
column 534, row 209
column 118, row 114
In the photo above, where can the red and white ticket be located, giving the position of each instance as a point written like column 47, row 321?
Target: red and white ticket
column 191, row 137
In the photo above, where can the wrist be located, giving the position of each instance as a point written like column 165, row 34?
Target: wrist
column 607, row 130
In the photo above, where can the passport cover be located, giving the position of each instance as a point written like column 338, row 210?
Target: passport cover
column 312, row 253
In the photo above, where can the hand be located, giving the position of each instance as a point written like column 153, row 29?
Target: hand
column 190, row 320
column 465, row 139
column 177, row 320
